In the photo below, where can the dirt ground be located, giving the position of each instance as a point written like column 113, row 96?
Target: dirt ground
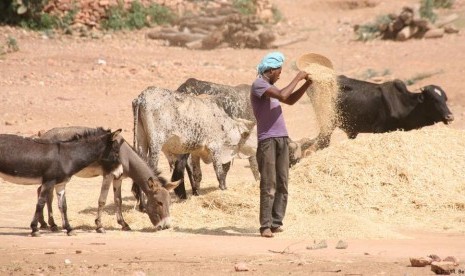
column 65, row 81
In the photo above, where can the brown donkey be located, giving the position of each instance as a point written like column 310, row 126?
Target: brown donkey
column 131, row 165
column 52, row 164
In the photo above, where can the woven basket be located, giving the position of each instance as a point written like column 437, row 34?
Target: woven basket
column 306, row 59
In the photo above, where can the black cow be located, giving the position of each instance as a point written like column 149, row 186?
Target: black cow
column 365, row 107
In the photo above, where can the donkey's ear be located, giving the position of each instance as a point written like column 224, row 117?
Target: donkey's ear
column 153, row 185
column 114, row 134
column 172, row 185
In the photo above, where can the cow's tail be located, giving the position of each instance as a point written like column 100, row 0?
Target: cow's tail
column 135, row 113
column 136, row 190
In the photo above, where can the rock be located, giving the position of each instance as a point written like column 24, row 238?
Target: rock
column 451, row 259
column 435, row 258
column 434, row 33
column 342, row 244
column 241, row 267
column 420, row 262
column 451, row 29
column 442, row 268
column 318, row 245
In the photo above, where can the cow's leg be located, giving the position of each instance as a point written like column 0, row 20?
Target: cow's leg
column 142, row 149
column 140, row 197
column 197, row 174
column 322, row 141
column 352, row 135
column 60, row 191
column 43, row 193
column 106, row 182
column 178, row 174
column 118, row 201
column 190, row 172
column 154, row 147
column 154, row 151
column 254, row 167
column 220, row 175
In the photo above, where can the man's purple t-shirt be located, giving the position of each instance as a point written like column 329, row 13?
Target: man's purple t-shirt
column 267, row 111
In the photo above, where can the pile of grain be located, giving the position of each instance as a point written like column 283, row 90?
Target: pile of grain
column 401, row 179
column 323, row 95
column 370, row 187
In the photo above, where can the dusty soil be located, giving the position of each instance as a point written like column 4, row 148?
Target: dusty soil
column 62, row 81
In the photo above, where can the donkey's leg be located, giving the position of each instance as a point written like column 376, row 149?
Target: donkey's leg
column 42, row 198
column 118, row 201
column 60, row 190
column 106, row 182
column 43, row 224
column 51, row 221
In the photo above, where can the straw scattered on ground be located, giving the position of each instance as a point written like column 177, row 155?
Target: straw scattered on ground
column 370, row 187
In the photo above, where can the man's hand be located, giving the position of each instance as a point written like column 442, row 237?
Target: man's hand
column 302, row 75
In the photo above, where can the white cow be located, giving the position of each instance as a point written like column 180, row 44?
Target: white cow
column 235, row 101
column 174, row 123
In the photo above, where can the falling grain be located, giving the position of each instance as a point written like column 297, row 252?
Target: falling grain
column 323, row 95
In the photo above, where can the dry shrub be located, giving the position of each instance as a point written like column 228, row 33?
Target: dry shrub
column 370, row 187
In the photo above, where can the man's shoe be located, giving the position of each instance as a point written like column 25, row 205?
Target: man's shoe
column 266, row 233
column 278, row 229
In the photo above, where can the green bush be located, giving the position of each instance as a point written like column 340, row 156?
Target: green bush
column 443, row 3
column 246, row 7
column 159, row 14
column 10, row 46
column 426, row 10
column 28, row 14
column 277, row 15
column 371, row 30
column 136, row 17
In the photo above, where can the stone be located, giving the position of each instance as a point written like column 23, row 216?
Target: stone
column 241, row 267
column 342, row 244
column 442, row 268
column 420, row 262
column 318, row 245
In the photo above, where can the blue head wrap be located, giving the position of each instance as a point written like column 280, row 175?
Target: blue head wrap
column 272, row 60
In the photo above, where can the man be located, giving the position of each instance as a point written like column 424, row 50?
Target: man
column 272, row 150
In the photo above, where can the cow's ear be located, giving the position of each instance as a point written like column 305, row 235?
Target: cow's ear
column 396, row 99
column 421, row 97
